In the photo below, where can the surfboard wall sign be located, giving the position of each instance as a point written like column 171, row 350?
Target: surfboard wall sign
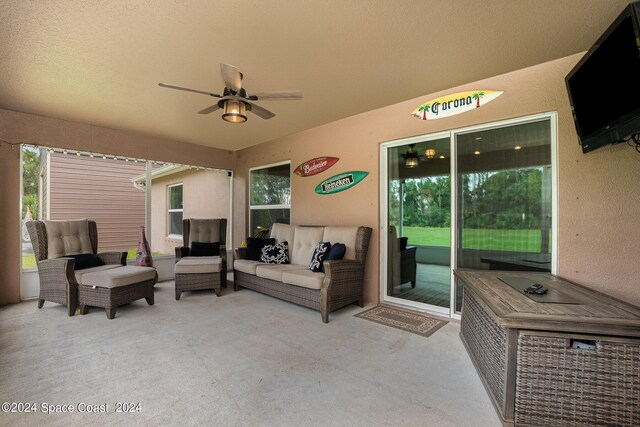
column 315, row 166
column 457, row 103
column 341, row 182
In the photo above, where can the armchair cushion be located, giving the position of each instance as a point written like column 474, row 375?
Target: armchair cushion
column 68, row 238
column 85, row 261
column 203, row 230
column 205, row 249
column 255, row 245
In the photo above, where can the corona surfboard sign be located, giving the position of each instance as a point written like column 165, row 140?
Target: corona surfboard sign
column 315, row 166
column 341, row 182
column 457, row 103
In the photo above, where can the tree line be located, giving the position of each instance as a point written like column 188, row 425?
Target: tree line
column 508, row 199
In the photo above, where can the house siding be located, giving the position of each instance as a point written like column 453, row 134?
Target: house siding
column 98, row 189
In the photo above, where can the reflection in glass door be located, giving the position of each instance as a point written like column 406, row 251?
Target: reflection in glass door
column 504, row 197
column 419, row 224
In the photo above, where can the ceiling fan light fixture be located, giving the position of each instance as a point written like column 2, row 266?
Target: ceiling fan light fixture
column 411, row 158
column 234, row 111
column 411, row 162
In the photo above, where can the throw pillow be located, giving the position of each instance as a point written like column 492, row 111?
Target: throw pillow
column 319, row 255
column 255, row 245
column 205, row 249
column 336, row 252
column 85, row 261
column 275, row 254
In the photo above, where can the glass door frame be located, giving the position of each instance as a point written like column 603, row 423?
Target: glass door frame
column 552, row 116
column 384, row 223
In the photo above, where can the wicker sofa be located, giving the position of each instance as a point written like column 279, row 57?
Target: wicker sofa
column 340, row 285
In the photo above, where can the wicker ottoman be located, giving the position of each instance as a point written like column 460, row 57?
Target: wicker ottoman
column 112, row 288
column 196, row 273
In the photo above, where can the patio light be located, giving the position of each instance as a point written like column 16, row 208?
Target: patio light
column 411, row 158
column 234, row 111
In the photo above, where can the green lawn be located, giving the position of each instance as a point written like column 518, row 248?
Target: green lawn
column 502, row 240
column 29, row 260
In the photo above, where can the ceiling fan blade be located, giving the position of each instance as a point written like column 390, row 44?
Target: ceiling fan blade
column 261, row 112
column 189, row 90
column 282, row 95
column 208, row 110
column 232, row 77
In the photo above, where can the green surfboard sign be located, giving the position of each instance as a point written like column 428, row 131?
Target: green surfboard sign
column 341, row 182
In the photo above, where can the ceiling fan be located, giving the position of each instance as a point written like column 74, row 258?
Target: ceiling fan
column 234, row 99
column 411, row 157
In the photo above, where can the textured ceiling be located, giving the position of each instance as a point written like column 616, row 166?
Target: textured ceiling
column 100, row 62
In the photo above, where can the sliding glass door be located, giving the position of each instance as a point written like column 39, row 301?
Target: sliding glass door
column 479, row 197
column 419, row 223
column 503, row 203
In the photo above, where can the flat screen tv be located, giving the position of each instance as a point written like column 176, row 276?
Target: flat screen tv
column 604, row 87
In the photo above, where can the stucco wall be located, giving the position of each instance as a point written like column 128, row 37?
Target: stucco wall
column 599, row 198
column 16, row 127
column 205, row 194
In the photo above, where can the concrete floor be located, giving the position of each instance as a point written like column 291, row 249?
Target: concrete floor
column 242, row 359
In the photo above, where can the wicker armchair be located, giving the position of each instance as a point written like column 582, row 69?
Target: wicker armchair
column 57, row 278
column 402, row 266
column 201, row 272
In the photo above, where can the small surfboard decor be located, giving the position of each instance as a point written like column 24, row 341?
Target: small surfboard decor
column 341, row 182
column 457, row 103
column 315, row 166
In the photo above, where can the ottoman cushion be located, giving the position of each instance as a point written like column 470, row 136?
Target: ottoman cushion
column 200, row 264
column 121, row 276
column 80, row 273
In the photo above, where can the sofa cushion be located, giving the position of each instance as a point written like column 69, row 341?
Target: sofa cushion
column 203, row 230
column 67, row 238
column 283, row 233
column 255, row 245
column 79, row 273
column 205, row 249
column 335, row 253
column 346, row 235
column 85, row 261
column 306, row 239
column 120, row 276
column 304, row 278
column 275, row 271
column 198, row 264
column 275, row 254
column 319, row 255
column 246, row 265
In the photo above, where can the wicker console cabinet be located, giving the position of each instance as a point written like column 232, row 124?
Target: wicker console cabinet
column 570, row 363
